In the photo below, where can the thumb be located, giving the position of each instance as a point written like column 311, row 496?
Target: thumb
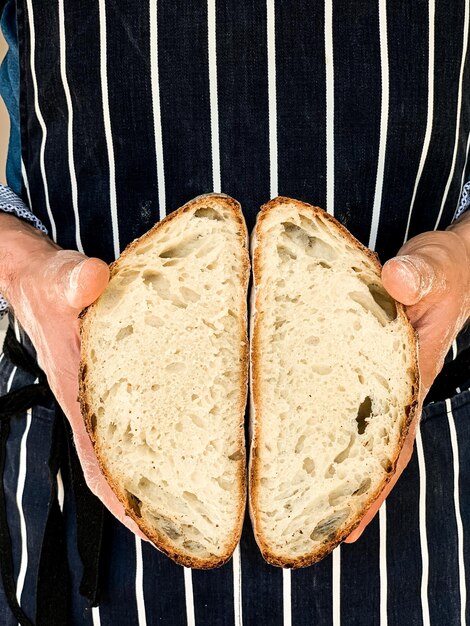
column 86, row 280
column 408, row 278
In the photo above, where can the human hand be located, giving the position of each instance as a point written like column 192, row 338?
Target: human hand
column 47, row 288
column 431, row 277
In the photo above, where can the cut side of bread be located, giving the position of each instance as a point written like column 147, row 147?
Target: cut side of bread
column 334, row 382
column 163, row 380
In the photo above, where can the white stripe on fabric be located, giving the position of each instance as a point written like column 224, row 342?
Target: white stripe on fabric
column 430, row 111
column 107, row 128
column 189, row 596
column 457, row 121
column 16, row 328
column 60, row 490
column 458, row 516
column 40, row 118
column 65, row 84
column 383, row 124
column 211, row 24
column 26, row 183
column 157, row 122
column 95, row 614
column 422, row 529
column 286, row 597
column 19, row 503
column 237, row 586
column 454, row 349
column 330, row 109
column 139, row 583
column 336, row 586
column 272, row 106
column 383, row 564
column 10, row 379
column 462, row 180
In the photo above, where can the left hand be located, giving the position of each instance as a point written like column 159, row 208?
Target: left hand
column 431, row 276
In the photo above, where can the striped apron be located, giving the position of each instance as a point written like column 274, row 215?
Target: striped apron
column 130, row 109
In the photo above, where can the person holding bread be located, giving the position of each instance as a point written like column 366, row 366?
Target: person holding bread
column 121, row 113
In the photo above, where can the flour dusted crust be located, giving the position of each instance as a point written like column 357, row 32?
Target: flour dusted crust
column 326, row 438
column 163, row 380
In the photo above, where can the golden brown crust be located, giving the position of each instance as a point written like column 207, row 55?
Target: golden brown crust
column 412, row 404
column 86, row 317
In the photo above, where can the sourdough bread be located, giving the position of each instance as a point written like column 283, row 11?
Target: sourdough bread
column 334, row 382
column 163, row 380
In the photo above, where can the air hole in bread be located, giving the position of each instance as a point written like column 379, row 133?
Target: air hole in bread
column 312, row 246
column 197, row 421
column 387, row 464
column 189, row 294
column 127, row 277
column 193, row 546
column 312, row 341
column 344, row 454
column 236, row 456
column 363, row 414
column 125, row 332
column 300, row 444
column 175, row 367
column 369, row 305
column 208, row 213
column 156, row 281
column 93, row 356
column 134, row 503
column 337, row 495
column 93, row 421
column 224, row 483
column 363, row 487
column 330, row 471
column 185, row 248
column 327, row 527
column 285, row 254
column 144, row 249
column 309, row 466
column 385, row 302
column 383, row 381
column 153, row 320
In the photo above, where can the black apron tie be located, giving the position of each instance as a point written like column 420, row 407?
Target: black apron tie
column 53, row 580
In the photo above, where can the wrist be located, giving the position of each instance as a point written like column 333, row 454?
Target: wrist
column 461, row 228
column 21, row 246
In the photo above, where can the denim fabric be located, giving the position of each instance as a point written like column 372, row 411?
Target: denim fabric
column 10, row 92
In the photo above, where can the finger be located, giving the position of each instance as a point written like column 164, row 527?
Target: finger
column 86, row 281
column 409, row 278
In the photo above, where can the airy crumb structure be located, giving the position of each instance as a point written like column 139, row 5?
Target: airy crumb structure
column 334, row 383
column 164, row 380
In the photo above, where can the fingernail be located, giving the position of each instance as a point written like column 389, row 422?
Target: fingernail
column 73, row 282
column 73, row 278
column 417, row 274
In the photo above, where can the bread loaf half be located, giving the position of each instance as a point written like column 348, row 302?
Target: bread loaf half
column 163, row 380
column 334, row 382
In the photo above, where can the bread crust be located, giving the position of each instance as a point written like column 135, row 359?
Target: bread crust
column 86, row 319
column 256, row 419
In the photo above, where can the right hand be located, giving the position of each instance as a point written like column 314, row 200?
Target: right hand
column 48, row 287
